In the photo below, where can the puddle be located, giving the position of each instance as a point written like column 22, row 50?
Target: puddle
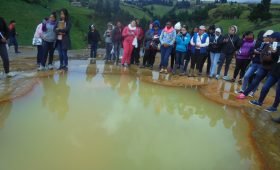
column 86, row 119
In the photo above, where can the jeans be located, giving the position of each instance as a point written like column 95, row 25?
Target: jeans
column 93, row 50
column 260, row 75
column 180, row 58
column 165, row 53
column 5, row 58
column 13, row 41
column 270, row 82
column 39, row 54
column 109, row 47
column 223, row 58
column 187, row 60
column 63, row 57
column 249, row 73
column 48, row 49
column 117, row 48
column 214, row 62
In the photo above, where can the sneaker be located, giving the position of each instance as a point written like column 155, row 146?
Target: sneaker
column 251, row 94
column 165, row 71
column 255, row 102
column 9, row 75
column 161, row 70
column 217, row 76
column 232, row 80
column 241, row 96
column 125, row 64
column 50, row 67
column 226, row 78
column 41, row 68
column 240, row 81
column 151, row 67
column 238, row 91
column 271, row 109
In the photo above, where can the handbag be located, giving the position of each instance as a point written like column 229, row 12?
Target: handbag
column 37, row 41
column 135, row 42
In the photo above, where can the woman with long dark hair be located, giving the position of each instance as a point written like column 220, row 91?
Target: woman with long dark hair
column 63, row 38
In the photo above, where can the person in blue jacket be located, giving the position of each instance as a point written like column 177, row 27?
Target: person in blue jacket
column 182, row 41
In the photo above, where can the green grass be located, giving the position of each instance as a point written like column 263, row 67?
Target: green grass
column 28, row 16
column 159, row 10
column 134, row 11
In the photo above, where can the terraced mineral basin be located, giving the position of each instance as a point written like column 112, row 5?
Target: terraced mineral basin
column 83, row 120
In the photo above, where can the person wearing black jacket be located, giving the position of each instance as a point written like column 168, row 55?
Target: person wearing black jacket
column 117, row 41
column 215, row 47
column 13, row 35
column 4, row 34
column 231, row 44
column 93, row 39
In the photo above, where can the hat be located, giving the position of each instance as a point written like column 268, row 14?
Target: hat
column 156, row 23
column 268, row 33
column 178, row 26
column 276, row 35
column 92, row 26
column 218, row 30
column 202, row 27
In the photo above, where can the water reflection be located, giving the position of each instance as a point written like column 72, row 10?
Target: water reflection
column 56, row 94
column 5, row 110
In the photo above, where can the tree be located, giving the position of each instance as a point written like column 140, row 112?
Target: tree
column 261, row 11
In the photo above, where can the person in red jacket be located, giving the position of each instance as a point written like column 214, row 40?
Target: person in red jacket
column 130, row 40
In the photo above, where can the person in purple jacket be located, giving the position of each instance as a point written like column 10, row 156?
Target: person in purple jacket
column 243, row 56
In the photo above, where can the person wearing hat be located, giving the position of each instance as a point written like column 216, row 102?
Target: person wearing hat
column 199, row 42
column 108, row 41
column 272, row 79
column 231, row 44
column 269, row 57
column 177, row 27
column 215, row 46
column 117, row 41
column 151, row 43
column 93, row 39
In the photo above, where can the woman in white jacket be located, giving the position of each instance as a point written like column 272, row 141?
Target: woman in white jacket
column 37, row 41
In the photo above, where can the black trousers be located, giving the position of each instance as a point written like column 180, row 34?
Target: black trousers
column 241, row 66
column 173, row 57
column 135, row 56
column 5, row 58
column 149, row 57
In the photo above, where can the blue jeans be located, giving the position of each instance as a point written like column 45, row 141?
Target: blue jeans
column 117, row 47
column 227, row 59
column 165, row 53
column 63, row 57
column 93, row 50
column 270, row 82
column 249, row 73
column 180, row 58
column 13, row 41
column 109, row 47
column 260, row 75
column 214, row 62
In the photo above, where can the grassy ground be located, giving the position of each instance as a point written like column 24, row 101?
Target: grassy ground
column 28, row 16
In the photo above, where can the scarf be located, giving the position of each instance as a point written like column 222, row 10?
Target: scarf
column 131, row 28
column 168, row 30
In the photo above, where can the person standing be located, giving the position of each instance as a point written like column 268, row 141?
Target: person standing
column 49, row 38
column 117, row 41
column 167, row 40
column 4, row 34
column 199, row 42
column 215, row 50
column 13, row 36
column 63, row 38
column 37, row 41
column 151, row 45
column 135, row 58
column 93, row 39
column 182, row 41
column 130, row 35
column 244, row 55
column 108, row 42
column 231, row 44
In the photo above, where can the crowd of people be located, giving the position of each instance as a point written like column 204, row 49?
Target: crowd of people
column 256, row 59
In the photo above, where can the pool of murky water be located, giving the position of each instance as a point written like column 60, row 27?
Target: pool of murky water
column 88, row 120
